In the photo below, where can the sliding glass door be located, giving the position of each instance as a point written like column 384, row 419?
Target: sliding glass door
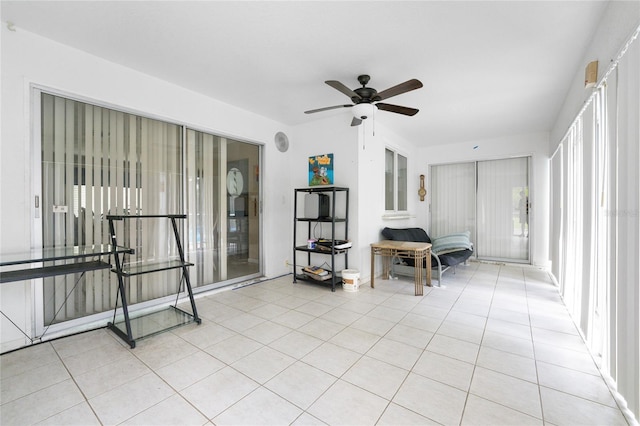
column 490, row 199
column 503, row 210
column 223, row 205
column 95, row 161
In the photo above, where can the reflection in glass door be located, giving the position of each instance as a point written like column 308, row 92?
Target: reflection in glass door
column 242, row 213
column 223, row 205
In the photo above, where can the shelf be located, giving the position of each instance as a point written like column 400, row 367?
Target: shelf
column 332, row 283
column 320, row 251
column 321, row 219
column 146, row 216
column 153, row 323
column 322, row 189
column 340, row 196
column 132, row 328
column 145, row 268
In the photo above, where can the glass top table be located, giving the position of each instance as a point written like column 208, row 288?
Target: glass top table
column 79, row 254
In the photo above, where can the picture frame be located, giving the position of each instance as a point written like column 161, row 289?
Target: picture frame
column 321, row 170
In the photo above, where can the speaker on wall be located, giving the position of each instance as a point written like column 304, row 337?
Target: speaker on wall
column 591, row 74
column 282, row 142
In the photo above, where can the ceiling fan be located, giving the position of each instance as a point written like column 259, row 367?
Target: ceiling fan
column 365, row 99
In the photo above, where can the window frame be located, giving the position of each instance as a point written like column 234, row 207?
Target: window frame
column 399, row 192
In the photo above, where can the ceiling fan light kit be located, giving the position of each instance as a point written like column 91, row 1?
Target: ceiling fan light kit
column 363, row 99
column 362, row 111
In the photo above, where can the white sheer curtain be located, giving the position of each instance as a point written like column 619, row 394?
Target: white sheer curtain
column 95, row 162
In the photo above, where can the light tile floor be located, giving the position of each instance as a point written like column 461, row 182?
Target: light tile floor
column 495, row 346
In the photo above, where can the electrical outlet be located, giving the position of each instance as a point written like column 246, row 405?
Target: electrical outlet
column 286, row 262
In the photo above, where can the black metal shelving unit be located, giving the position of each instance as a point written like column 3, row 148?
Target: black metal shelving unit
column 331, row 251
column 132, row 329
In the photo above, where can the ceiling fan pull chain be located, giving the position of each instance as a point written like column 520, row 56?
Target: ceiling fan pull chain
column 374, row 121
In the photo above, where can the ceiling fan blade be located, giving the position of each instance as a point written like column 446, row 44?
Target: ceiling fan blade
column 401, row 88
column 356, row 122
column 397, row 109
column 327, row 108
column 342, row 88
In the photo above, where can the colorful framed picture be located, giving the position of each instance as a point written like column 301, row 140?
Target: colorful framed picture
column 321, row 170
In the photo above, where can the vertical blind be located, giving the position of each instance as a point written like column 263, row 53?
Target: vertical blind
column 596, row 249
column 487, row 198
column 96, row 162
column 453, row 199
column 503, row 209
column 204, row 167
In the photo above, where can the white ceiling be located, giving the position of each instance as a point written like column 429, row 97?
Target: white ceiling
column 488, row 68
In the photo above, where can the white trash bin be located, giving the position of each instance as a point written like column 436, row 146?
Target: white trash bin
column 350, row 279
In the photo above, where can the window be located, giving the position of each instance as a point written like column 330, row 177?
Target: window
column 395, row 181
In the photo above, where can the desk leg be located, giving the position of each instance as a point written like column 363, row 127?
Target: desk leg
column 418, row 275
column 428, row 262
column 373, row 258
column 386, row 266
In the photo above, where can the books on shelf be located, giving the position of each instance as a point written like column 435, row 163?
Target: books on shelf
column 318, row 277
column 317, row 273
column 338, row 244
column 315, row 270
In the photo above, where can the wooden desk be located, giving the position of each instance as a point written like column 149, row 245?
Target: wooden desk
column 419, row 252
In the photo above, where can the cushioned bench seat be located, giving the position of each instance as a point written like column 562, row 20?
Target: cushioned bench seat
column 446, row 252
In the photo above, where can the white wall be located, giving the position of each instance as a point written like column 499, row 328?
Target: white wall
column 28, row 59
column 534, row 145
column 327, row 135
column 372, row 218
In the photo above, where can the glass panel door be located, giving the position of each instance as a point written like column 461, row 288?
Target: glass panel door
column 223, row 208
column 488, row 198
column 503, row 210
column 243, row 205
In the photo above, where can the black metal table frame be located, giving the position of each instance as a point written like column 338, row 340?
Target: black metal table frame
column 56, row 254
